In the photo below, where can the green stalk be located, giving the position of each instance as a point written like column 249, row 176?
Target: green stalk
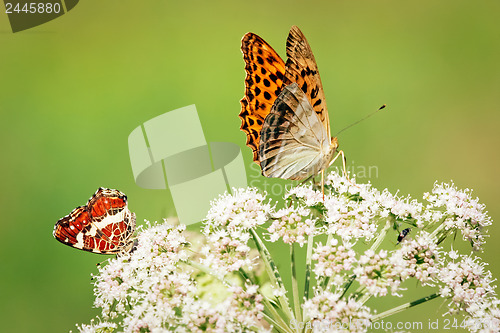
column 348, row 284
column 274, row 274
column 283, row 326
column 295, row 285
column 404, row 307
column 364, row 298
column 381, row 236
column 437, row 231
column 277, row 326
column 325, row 280
column 310, row 243
column 282, row 323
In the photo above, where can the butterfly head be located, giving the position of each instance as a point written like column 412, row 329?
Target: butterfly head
column 334, row 145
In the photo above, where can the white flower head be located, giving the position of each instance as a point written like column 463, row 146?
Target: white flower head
column 292, row 225
column 467, row 283
column 461, row 212
column 329, row 313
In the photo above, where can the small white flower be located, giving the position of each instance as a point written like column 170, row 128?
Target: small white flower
column 291, row 225
column 328, row 312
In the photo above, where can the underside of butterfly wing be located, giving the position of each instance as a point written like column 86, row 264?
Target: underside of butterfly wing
column 301, row 68
column 68, row 229
column 105, row 225
column 264, row 79
column 293, row 144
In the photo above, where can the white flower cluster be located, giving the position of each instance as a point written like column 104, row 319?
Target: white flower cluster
column 152, row 289
column 418, row 258
column 242, row 210
column 166, row 285
column 460, row 212
column 354, row 211
column 227, row 252
column 467, row 283
column 332, row 259
column 376, row 273
column 226, row 229
column 292, row 225
column 330, row 313
column 470, row 287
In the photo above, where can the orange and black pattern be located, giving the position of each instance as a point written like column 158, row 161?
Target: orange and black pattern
column 264, row 79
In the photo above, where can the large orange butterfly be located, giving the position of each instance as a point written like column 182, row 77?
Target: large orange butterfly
column 283, row 112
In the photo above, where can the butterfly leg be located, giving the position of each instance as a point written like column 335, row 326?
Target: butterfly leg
column 344, row 163
column 100, row 263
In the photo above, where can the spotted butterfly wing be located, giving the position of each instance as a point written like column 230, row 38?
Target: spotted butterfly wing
column 264, row 79
column 301, row 68
column 105, row 225
column 294, row 143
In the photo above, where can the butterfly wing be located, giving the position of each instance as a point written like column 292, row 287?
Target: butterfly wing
column 301, row 68
column 294, row 143
column 70, row 229
column 110, row 215
column 105, row 225
column 264, row 79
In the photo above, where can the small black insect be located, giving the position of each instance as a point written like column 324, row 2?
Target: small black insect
column 402, row 235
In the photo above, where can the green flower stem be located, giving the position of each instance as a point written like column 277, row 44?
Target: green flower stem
column 295, row 286
column 381, row 236
column 364, row 298
column 348, row 284
column 404, row 307
column 440, row 230
column 310, row 243
column 283, row 324
column 325, row 280
column 273, row 273
column 277, row 326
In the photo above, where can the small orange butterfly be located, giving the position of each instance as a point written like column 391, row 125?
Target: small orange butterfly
column 283, row 112
column 104, row 225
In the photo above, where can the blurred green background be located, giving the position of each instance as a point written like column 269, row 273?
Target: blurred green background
column 74, row 88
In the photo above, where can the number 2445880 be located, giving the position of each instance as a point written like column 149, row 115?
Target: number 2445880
column 33, row 8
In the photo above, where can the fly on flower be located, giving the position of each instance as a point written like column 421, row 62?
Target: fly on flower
column 104, row 226
column 402, row 235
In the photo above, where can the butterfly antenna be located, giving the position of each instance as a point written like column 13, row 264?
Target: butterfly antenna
column 100, row 263
column 366, row 117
